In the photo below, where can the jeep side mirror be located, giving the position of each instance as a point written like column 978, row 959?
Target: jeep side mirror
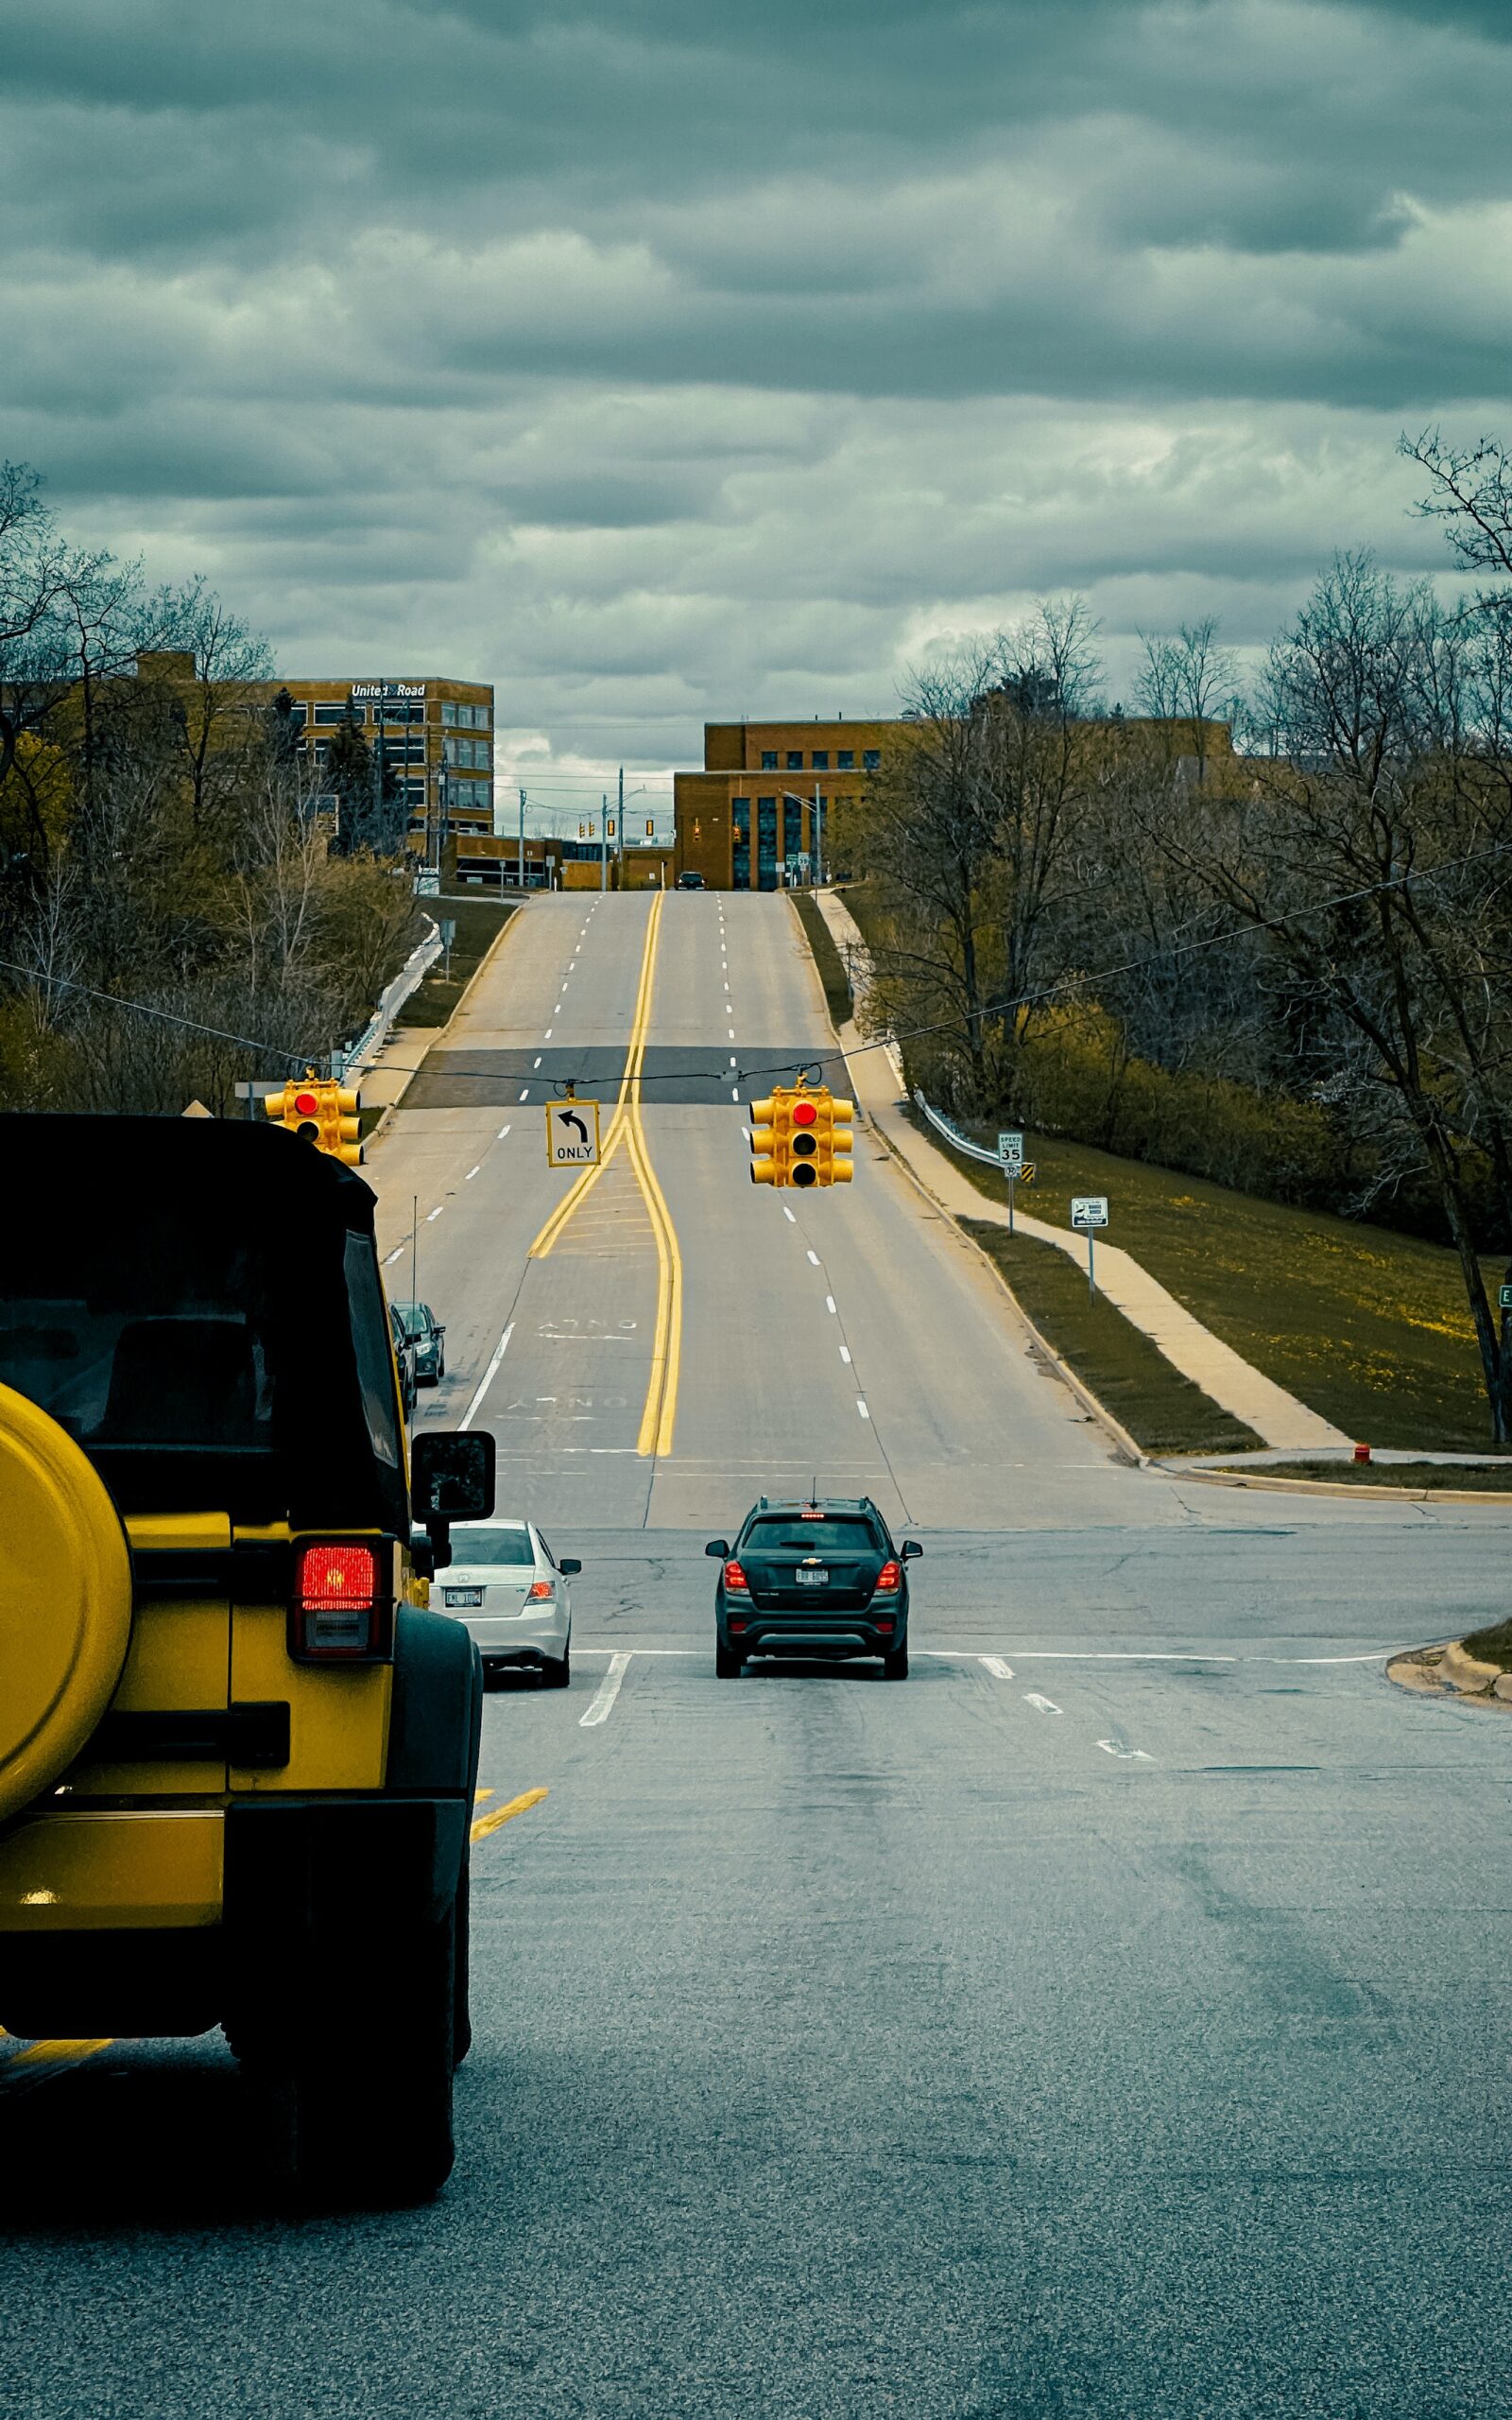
column 422, row 1555
column 450, row 1475
column 911, row 1547
column 451, row 1478
column 719, row 1547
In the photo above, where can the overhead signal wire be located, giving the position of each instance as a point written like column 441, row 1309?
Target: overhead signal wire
column 911, row 1033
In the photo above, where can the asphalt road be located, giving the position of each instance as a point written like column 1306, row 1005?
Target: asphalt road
column 1112, row 2021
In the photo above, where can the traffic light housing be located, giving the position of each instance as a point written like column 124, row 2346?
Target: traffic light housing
column 801, row 1136
column 320, row 1111
column 836, row 1141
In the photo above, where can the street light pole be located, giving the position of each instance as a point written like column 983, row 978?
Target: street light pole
column 522, row 840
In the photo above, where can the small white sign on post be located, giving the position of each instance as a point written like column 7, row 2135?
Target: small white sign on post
column 1089, row 1211
column 572, row 1134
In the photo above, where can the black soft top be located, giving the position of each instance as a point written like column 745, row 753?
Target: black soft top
column 198, row 1302
column 260, row 1167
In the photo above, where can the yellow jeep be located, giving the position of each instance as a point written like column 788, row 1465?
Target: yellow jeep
column 237, row 1759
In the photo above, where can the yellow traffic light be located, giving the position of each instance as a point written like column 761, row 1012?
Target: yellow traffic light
column 341, row 1124
column 801, row 1136
column 837, row 1140
column 322, row 1113
column 762, row 1142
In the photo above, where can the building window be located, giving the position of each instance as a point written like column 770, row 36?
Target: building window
column 449, row 713
column 795, row 760
column 846, row 761
column 340, row 712
column 767, row 844
column 820, row 760
column 871, row 759
column 768, row 760
column 297, row 714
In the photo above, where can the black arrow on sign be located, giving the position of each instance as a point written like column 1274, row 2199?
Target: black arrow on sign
column 569, row 1119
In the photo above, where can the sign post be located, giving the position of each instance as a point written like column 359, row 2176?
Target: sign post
column 1089, row 1211
column 1010, row 1158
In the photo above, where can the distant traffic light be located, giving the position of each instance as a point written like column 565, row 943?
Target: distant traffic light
column 320, row 1111
column 801, row 1136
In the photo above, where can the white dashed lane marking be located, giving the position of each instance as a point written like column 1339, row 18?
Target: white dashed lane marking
column 435, row 1213
column 608, row 1689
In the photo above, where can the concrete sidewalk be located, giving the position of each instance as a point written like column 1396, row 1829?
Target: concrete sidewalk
column 1275, row 1417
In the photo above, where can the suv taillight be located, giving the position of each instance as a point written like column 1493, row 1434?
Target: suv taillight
column 341, row 1612
column 890, row 1580
column 735, row 1578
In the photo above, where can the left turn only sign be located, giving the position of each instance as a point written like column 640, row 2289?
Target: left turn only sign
column 572, row 1134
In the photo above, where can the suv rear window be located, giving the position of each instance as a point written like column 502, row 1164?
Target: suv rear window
column 797, row 1533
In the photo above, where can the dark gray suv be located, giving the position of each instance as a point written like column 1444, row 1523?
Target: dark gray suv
column 817, row 1578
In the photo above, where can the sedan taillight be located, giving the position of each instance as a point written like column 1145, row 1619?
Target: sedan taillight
column 735, row 1578
column 342, row 1611
column 890, row 1580
column 539, row 1589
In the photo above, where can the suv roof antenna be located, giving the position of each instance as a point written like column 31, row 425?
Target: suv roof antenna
column 814, row 1490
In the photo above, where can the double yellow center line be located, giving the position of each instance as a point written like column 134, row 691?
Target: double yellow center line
column 659, row 1418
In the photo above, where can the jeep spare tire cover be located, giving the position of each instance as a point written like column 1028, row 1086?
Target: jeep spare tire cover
column 65, row 1600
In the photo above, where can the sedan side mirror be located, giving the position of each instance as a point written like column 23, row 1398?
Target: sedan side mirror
column 910, row 1548
column 719, row 1547
column 439, row 1328
column 570, row 1566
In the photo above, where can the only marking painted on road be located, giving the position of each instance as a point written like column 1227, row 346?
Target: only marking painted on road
column 995, row 1664
column 1046, row 1705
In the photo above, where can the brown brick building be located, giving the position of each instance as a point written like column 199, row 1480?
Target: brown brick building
column 437, row 738
column 754, row 817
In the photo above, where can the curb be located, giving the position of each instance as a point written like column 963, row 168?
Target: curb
column 438, row 1033
column 1351, row 1495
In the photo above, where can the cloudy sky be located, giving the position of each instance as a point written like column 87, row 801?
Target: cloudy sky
column 658, row 359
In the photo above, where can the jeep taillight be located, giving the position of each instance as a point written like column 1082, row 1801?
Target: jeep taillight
column 342, row 1611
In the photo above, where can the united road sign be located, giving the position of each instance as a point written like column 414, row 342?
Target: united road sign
column 1089, row 1210
column 572, row 1134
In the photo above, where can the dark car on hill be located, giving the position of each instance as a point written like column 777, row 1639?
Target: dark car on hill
column 426, row 1333
column 818, row 1579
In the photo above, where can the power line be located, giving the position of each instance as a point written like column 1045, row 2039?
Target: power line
column 913, row 1033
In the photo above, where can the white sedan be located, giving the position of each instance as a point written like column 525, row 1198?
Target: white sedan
column 505, row 1583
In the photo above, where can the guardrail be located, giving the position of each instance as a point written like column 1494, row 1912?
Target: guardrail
column 953, row 1134
column 344, row 1064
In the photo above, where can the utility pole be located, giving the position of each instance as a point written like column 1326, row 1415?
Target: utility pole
column 816, row 835
column 378, row 782
column 619, row 828
column 522, row 840
column 603, row 841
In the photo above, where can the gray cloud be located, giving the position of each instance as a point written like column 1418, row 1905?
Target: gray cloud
column 660, row 360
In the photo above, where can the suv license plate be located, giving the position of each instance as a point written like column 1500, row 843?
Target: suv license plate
column 462, row 1595
column 812, row 1579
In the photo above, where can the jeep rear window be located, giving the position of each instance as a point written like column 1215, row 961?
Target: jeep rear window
column 166, row 1350
column 792, row 1533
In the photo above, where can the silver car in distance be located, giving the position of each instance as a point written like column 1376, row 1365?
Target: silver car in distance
column 507, row 1585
